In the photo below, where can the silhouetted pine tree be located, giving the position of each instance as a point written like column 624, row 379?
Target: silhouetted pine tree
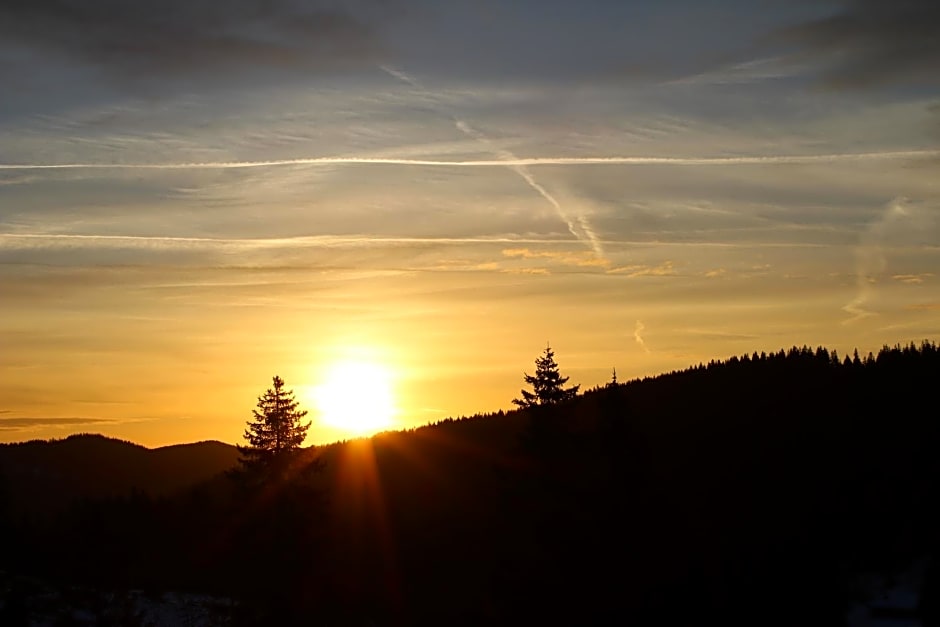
column 276, row 431
column 547, row 383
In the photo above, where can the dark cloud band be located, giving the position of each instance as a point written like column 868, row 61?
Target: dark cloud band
column 185, row 36
column 873, row 42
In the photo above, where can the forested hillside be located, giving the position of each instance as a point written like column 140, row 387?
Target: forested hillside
column 756, row 490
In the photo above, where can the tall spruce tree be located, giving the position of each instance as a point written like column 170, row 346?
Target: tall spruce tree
column 276, row 430
column 548, row 386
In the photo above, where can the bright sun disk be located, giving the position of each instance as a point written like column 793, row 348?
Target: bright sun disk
column 356, row 397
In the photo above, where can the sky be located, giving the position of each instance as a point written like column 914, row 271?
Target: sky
column 197, row 195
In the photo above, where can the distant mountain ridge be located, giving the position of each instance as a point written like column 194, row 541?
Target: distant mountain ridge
column 42, row 476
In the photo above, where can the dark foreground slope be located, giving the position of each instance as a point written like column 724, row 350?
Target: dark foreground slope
column 753, row 491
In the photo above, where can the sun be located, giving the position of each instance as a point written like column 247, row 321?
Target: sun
column 356, row 397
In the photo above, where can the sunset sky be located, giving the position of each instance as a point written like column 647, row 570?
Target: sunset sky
column 196, row 196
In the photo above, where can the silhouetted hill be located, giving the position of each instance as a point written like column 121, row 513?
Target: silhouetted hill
column 756, row 490
column 46, row 476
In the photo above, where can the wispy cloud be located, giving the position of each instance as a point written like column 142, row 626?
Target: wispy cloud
column 18, row 423
column 538, row 271
column 17, row 179
column 744, row 72
column 568, row 258
column 638, row 337
column 664, row 269
column 870, row 259
column 912, row 279
column 464, row 265
column 924, row 307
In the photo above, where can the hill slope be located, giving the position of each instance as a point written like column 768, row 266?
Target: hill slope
column 46, row 476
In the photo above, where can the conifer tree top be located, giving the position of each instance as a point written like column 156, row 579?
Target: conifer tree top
column 276, row 430
column 548, row 386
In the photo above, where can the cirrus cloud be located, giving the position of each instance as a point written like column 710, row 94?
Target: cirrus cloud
column 17, row 423
column 128, row 37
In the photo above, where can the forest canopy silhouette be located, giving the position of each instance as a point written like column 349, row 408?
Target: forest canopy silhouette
column 761, row 489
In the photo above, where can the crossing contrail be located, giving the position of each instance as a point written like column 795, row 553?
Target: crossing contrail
column 580, row 228
column 493, row 163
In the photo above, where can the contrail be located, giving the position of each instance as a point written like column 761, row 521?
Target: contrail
column 581, row 229
column 325, row 241
column 512, row 162
column 491, row 163
column 361, row 240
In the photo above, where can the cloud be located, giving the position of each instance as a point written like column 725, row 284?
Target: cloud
column 924, row 307
column 870, row 257
column 137, row 37
column 637, row 331
column 463, row 265
column 663, row 269
column 912, row 279
column 742, row 72
column 585, row 259
column 539, row 271
column 16, row 179
column 18, row 423
column 873, row 42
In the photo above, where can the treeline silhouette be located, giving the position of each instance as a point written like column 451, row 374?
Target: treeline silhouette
column 754, row 490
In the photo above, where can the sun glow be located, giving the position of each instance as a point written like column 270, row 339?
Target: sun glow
column 356, row 397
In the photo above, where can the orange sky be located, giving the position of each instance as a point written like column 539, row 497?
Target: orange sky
column 156, row 357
